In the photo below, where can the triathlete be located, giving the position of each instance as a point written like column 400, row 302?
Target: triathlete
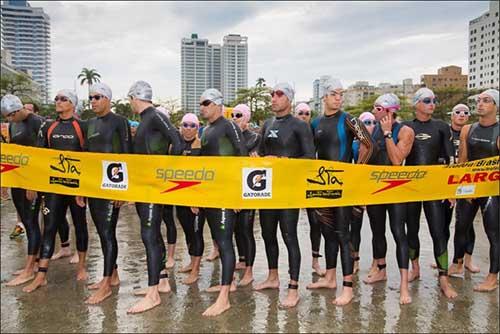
column 303, row 112
column 357, row 211
column 192, row 224
column 333, row 139
column 66, row 134
column 394, row 142
column 431, row 136
column 220, row 138
column 23, row 130
column 245, row 218
column 459, row 117
column 154, row 135
column 478, row 141
column 283, row 136
column 107, row 133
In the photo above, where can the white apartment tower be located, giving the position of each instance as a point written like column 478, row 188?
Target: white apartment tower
column 318, row 92
column 26, row 34
column 234, row 66
column 484, row 40
column 195, row 77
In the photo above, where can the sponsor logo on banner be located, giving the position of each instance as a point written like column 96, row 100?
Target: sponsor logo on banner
column 327, row 177
column 67, row 166
column 474, row 177
column 114, row 175
column 184, row 178
column 257, row 183
column 469, row 189
column 12, row 161
column 395, row 179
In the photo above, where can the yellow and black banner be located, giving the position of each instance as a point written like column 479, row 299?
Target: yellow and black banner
column 240, row 182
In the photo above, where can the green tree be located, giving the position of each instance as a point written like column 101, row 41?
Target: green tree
column 89, row 76
column 20, row 85
column 125, row 109
column 261, row 82
column 257, row 99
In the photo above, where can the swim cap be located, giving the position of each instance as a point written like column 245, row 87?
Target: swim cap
column 10, row 103
column 163, row 110
column 213, row 95
column 460, row 107
column 366, row 115
column 141, row 90
column 302, row 107
column 389, row 101
column 133, row 124
column 71, row 95
column 244, row 110
column 422, row 93
column 331, row 85
column 493, row 93
column 102, row 89
column 190, row 118
column 287, row 89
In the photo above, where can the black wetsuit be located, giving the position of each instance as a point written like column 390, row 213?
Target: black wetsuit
column 397, row 212
column 430, row 138
column 64, row 135
column 289, row 137
column 107, row 134
column 154, row 135
column 223, row 138
column 482, row 142
column 243, row 231
column 192, row 224
column 25, row 133
column 333, row 138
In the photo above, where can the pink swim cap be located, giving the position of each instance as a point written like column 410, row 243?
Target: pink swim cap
column 243, row 108
column 302, row 107
column 190, row 118
column 366, row 115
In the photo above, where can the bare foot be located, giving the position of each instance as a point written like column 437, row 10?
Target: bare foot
column 373, row 268
column 414, row 274
column 37, row 282
column 345, row 298
column 148, row 302
column 192, row 278
column 291, row 299
column 355, row 268
column 216, row 288
column 98, row 296
column 219, row 307
column 74, row 259
column 20, row 271
column 163, row 287
column 471, row 267
column 246, row 280
column 404, row 297
column 82, row 274
column 434, row 266
column 446, row 288
column 63, row 252
column 115, row 281
column 21, row 278
column 240, row 266
column 318, row 271
column 213, row 256
column 268, row 284
column 186, row 268
column 489, row 284
column 323, row 283
column 170, row 263
column 380, row 275
column 456, row 269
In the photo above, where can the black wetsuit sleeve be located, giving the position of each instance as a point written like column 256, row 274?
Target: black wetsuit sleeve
column 261, row 148
column 306, row 140
column 235, row 136
column 447, row 142
column 253, row 142
column 125, row 136
column 169, row 131
column 42, row 140
column 359, row 131
column 36, row 123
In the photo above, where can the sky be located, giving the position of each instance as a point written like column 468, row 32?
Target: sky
column 295, row 42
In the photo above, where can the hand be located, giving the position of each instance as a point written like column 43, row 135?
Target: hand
column 118, row 204
column 31, row 195
column 194, row 210
column 271, row 156
column 237, row 210
column 254, row 154
column 80, row 201
column 453, row 202
column 386, row 124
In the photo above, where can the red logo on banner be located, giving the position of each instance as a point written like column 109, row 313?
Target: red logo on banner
column 181, row 185
column 7, row 167
column 391, row 184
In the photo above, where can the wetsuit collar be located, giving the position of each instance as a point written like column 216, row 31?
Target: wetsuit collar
column 287, row 116
column 147, row 111
column 338, row 113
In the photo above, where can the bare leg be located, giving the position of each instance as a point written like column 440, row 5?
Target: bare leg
column 150, row 300
column 247, row 276
column 327, row 282
column 195, row 271
column 415, row 272
column 40, row 278
column 272, row 281
column 404, row 293
column 170, row 260
column 215, row 252
column 221, row 304
column 82, row 274
column 292, row 298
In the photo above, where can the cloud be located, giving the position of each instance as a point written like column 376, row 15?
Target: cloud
column 288, row 41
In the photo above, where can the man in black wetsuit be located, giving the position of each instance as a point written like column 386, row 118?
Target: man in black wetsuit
column 66, row 134
column 245, row 240
column 221, row 137
column 23, row 130
column 394, row 142
column 478, row 141
column 283, row 136
column 459, row 118
column 155, row 135
column 106, row 133
column 431, row 136
column 333, row 138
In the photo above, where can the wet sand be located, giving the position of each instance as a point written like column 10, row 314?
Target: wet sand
column 59, row 307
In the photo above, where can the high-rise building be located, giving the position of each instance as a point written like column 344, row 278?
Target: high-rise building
column 215, row 66
column 484, row 40
column 447, row 77
column 234, row 66
column 26, row 34
column 317, row 104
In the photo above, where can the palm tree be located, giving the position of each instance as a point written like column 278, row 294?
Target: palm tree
column 261, row 82
column 89, row 76
column 115, row 104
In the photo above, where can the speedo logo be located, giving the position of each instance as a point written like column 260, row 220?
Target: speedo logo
column 395, row 179
column 184, row 178
column 13, row 161
column 474, row 177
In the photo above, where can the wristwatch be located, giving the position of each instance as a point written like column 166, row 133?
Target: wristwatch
column 388, row 134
